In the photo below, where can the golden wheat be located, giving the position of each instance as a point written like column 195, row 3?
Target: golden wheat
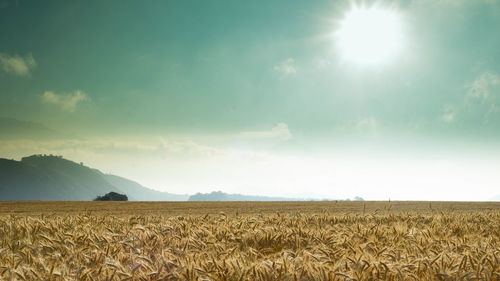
column 321, row 245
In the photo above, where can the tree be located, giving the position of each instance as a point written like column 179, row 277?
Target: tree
column 112, row 196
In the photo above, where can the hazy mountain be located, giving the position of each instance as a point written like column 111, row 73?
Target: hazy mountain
column 50, row 178
column 141, row 193
column 11, row 128
column 496, row 198
column 221, row 196
column 54, row 178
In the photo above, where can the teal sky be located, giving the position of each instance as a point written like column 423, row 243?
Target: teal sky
column 196, row 87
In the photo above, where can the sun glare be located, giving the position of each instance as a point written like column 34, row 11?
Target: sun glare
column 369, row 35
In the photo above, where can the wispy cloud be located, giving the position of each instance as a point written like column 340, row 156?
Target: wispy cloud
column 286, row 67
column 483, row 97
column 449, row 113
column 280, row 131
column 483, row 86
column 17, row 65
column 150, row 146
column 480, row 103
column 66, row 102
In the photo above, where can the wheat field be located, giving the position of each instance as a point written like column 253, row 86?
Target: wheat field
column 249, row 241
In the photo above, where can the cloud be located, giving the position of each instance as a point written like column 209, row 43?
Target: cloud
column 66, row 102
column 479, row 105
column 449, row 113
column 280, row 131
column 485, row 87
column 16, row 64
column 483, row 97
column 123, row 146
column 286, row 67
column 188, row 148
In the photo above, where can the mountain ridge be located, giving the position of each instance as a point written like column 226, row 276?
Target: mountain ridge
column 51, row 177
column 222, row 196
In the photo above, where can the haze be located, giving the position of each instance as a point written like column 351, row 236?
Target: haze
column 258, row 97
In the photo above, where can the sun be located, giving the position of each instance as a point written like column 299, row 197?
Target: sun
column 370, row 35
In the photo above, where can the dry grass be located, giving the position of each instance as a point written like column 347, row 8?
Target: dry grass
column 250, row 241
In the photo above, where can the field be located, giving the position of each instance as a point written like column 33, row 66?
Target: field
column 249, row 241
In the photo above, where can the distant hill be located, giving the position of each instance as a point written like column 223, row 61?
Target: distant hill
column 496, row 198
column 221, row 196
column 51, row 177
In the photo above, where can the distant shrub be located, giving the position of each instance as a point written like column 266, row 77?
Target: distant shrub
column 112, row 196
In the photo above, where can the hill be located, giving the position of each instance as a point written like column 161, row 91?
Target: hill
column 221, row 196
column 52, row 177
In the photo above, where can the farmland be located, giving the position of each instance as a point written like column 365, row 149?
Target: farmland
column 249, row 241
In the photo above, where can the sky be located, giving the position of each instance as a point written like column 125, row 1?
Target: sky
column 262, row 97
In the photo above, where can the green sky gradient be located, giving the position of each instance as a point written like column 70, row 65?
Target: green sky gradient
column 219, row 71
